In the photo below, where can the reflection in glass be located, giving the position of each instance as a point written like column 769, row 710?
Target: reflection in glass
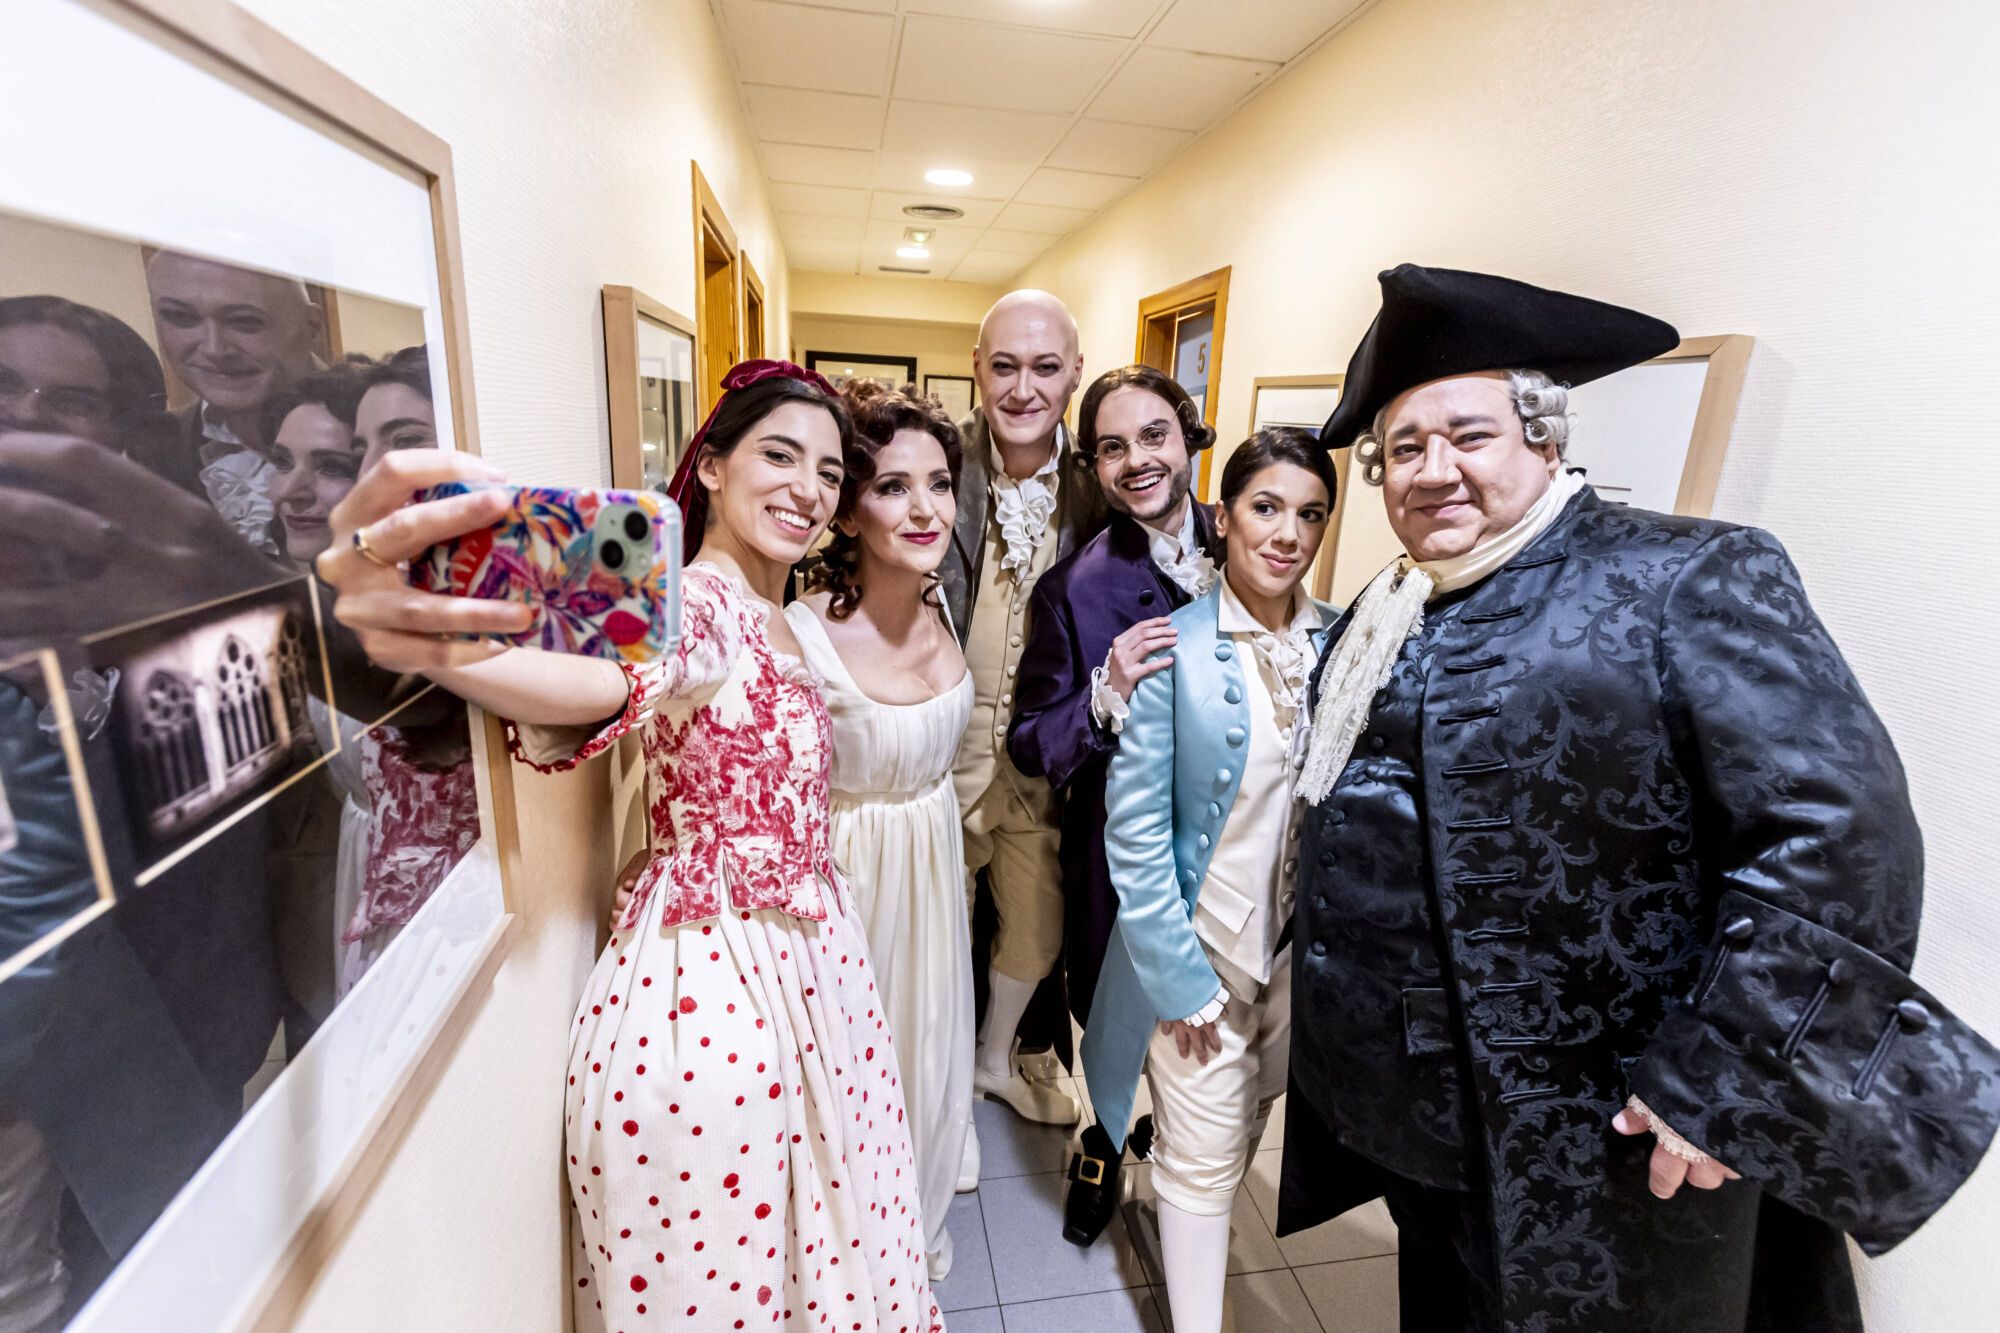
column 215, row 814
column 666, row 400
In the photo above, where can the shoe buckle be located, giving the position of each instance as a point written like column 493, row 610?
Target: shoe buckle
column 1088, row 1169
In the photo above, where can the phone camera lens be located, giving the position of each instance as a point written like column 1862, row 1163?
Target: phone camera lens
column 637, row 527
column 612, row 554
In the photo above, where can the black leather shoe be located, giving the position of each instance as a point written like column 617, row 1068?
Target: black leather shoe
column 1093, row 1188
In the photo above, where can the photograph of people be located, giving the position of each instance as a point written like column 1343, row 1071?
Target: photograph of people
column 896, row 686
column 1592, row 792
column 1097, row 624
column 727, row 1091
column 1023, row 504
column 1200, row 836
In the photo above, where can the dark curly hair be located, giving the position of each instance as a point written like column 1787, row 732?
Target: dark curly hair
column 878, row 412
column 1198, row 434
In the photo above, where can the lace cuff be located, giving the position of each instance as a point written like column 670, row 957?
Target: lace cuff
column 559, row 749
column 1669, row 1140
column 1107, row 709
column 1209, row 1012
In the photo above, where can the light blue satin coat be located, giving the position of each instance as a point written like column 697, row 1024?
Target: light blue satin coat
column 1173, row 782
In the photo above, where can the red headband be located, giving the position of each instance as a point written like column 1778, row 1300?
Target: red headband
column 686, row 489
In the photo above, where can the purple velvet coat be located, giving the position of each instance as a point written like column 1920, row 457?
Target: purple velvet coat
column 1086, row 600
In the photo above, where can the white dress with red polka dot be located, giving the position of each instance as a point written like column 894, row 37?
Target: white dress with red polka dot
column 737, row 1148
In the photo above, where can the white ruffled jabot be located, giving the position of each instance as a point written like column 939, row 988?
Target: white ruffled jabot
column 1023, row 509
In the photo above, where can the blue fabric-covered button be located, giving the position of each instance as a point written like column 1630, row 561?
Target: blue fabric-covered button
column 1222, row 777
column 1232, row 695
column 1214, row 810
column 1202, row 842
column 1234, row 735
column 1224, row 651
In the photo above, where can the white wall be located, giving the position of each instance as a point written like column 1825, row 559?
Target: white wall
column 939, row 349
column 1818, row 173
column 571, row 126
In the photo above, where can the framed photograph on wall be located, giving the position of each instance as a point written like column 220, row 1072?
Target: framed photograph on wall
column 958, row 394
column 275, row 875
column 649, row 369
column 892, row 372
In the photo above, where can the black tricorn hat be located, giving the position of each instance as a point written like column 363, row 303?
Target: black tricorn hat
column 1438, row 322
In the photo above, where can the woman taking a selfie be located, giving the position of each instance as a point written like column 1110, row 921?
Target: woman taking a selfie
column 1201, row 836
column 896, row 685
column 734, row 1116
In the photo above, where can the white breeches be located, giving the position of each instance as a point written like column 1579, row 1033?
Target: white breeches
column 1205, row 1117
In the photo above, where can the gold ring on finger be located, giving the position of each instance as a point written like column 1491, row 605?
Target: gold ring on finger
column 368, row 552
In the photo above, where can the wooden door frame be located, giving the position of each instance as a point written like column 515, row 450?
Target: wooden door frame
column 1209, row 287
column 753, row 286
column 624, row 307
column 709, row 219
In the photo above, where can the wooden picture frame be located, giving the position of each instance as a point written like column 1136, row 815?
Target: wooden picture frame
column 1648, row 436
column 630, row 316
column 1160, row 316
column 238, row 1246
column 958, row 394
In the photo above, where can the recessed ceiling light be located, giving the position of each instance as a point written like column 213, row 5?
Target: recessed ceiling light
column 919, row 235
column 948, row 176
column 912, row 252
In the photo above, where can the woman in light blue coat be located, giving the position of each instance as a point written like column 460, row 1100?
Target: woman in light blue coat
column 1201, row 837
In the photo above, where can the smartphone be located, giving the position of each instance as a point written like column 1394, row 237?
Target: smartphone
column 600, row 568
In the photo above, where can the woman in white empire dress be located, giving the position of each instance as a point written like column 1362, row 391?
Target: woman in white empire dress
column 896, row 686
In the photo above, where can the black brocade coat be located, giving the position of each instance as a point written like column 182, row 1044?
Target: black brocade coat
column 1640, row 831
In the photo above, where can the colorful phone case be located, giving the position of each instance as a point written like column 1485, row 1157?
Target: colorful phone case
column 601, row 568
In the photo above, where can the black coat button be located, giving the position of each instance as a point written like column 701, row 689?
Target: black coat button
column 1326, row 860
column 1839, row 972
column 1913, row 1016
column 1739, row 931
column 1146, row 598
column 1377, row 744
column 1318, row 950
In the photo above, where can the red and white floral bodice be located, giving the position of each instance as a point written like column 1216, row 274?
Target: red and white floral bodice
column 737, row 754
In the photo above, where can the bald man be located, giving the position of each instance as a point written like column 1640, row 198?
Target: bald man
column 1023, row 504
column 237, row 338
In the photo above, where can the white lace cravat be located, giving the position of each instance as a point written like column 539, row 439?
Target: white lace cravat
column 237, row 483
column 1023, row 509
column 1286, row 658
column 1180, row 557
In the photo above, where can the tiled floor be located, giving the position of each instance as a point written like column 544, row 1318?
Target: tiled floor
column 1012, row 1272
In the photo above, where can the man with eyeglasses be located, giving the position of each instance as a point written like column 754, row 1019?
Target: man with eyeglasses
column 1093, row 622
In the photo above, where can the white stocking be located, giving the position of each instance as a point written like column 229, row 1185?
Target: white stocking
column 1006, row 1001
column 1195, row 1252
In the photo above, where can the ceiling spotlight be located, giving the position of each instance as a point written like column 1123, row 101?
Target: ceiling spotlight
column 948, row 176
column 919, row 235
column 912, row 252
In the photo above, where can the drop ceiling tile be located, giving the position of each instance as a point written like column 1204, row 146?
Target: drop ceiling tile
column 1179, row 90
column 1073, row 189
column 796, row 164
column 823, row 256
column 1109, row 18
column 994, row 178
column 827, row 200
column 826, row 50
column 950, row 133
column 1013, row 69
column 986, row 267
column 1269, row 30
column 1040, row 217
column 1024, row 245
column 888, row 205
column 818, row 227
column 1118, row 150
column 828, row 120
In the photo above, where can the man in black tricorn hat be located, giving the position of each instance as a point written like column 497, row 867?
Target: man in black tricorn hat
column 1610, row 884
